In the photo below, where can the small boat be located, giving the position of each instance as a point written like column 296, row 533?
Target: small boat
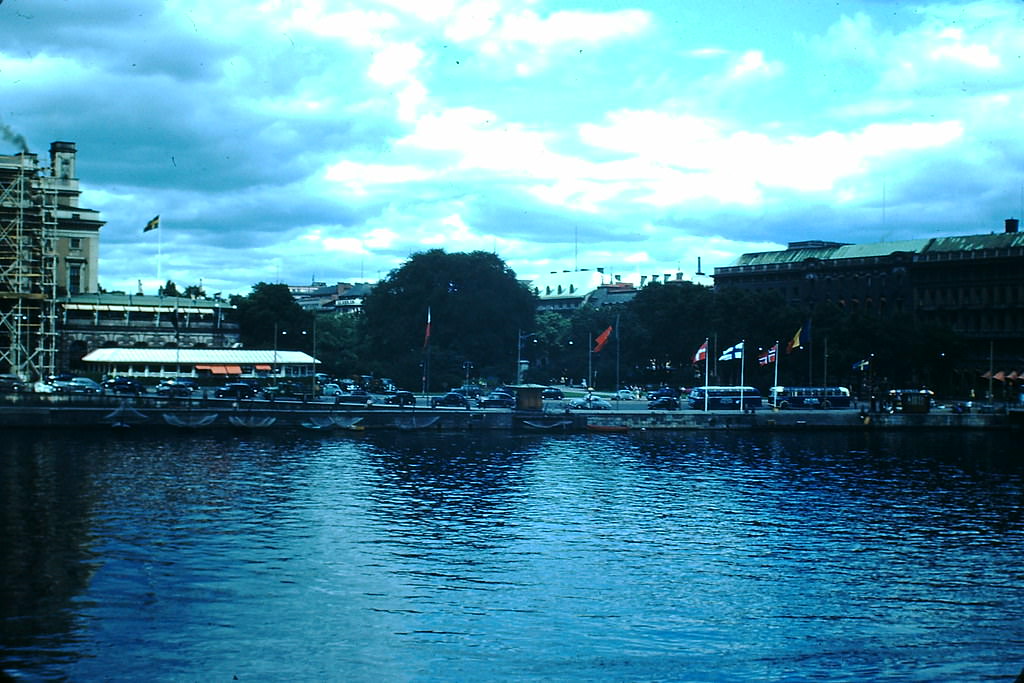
column 251, row 422
column 607, row 428
column 190, row 421
column 547, row 425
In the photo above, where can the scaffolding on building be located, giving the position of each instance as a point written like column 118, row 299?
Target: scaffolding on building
column 28, row 268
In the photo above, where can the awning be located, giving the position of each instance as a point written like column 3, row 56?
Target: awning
column 221, row 369
column 263, row 367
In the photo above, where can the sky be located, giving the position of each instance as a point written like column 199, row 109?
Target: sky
column 329, row 140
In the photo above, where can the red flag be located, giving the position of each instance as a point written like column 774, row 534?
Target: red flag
column 602, row 339
column 426, row 336
column 702, row 353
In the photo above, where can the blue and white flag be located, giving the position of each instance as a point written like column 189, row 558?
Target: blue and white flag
column 861, row 365
column 734, row 352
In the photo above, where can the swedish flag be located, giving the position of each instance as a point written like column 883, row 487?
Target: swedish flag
column 153, row 224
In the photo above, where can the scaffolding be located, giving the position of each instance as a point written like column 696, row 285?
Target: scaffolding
column 28, row 268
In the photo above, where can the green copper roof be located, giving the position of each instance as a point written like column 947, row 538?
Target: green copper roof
column 853, row 251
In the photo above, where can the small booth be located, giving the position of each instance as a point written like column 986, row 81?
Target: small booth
column 528, row 396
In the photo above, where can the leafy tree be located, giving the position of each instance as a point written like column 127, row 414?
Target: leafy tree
column 477, row 308
column 269, row 310
column 169, row 289
column 195, row 292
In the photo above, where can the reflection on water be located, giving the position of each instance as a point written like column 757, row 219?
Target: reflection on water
column 406, row 555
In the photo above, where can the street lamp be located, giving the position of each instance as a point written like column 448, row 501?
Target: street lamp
column 519, row 353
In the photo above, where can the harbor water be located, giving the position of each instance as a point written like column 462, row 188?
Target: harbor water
column 415, row 556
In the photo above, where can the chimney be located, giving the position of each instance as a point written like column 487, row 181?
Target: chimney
column 1012, row 224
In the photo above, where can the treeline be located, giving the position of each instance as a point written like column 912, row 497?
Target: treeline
column 484, row 326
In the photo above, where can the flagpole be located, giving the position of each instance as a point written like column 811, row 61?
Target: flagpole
column 743, row 351
column 775, row 403
column 707, row 361
column 159, row 256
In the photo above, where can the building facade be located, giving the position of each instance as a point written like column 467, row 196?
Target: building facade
column 49, row 247
column 96, row 321
column 972, row 285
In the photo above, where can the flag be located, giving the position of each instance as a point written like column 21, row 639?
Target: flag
column 426, row 335
column 768, row 356
column 602, row 339
column 733, row 352
column 999, row 376
column 794, row 343
column 862, row 365
column 153, row 224
column 702, row 353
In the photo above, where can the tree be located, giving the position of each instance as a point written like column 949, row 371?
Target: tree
column 269, row 310
column 169, row 289
column 477, row 308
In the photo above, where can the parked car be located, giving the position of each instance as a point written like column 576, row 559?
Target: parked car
column 10, row 384
column 178, row 387
column 625, row 395
column 356, row 397
column 663, row 403
column 286, row 390
column 497, row 399
column 236, row 390
column 663, row 391
column 552, row 393
column 124, row 385
column 330, row 389
column 470, row 390
column 451, row 399
column 591, row 403
column 78, row 385
column 401, row 398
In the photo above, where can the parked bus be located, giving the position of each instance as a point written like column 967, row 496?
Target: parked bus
column 809, row 397
column 719, row 398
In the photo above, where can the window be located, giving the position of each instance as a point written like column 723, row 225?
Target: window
column 75, row 278
column 76, row 243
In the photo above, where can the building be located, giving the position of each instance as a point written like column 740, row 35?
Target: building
column 229, row 364
column 49, row 247
column 342, row 297
column 568, row 290
column 973, row 285
column 94, row 321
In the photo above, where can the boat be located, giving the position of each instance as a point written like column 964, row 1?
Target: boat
column 251, row 422
column 547, row 425
column 607, row 428
column 190, row 421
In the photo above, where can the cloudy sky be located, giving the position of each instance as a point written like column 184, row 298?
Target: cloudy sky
column 288, row 140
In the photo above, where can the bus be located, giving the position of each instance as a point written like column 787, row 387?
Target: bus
column 719, row 398
column 809, row 397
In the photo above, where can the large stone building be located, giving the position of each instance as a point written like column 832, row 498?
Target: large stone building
column 49, row 247
column 95, row 321
column 973, row 285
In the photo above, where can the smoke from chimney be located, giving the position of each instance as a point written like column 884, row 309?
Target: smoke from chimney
column 10, row 136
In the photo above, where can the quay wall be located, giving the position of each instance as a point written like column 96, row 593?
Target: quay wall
column 47, row 411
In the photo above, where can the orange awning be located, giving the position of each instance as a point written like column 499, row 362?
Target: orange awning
column 262, row 367
column 232, row 370
column 218, row 369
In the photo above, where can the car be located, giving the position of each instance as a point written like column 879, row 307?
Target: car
column 497, row 399
column 552, row 393
column 663, row 391
column 177, row 387
column 78, row 385
column 663, row 403
column 330, row 389
column 452, row 399
column 286, row 390
column 401, row 398
column 625, row 395
column 590, row 403
column 235, row 390
column 356, row 397
column 469, row 390
column 124, row 385
column 11, row 384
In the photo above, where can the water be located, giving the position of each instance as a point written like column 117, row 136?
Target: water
column 427, row 557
